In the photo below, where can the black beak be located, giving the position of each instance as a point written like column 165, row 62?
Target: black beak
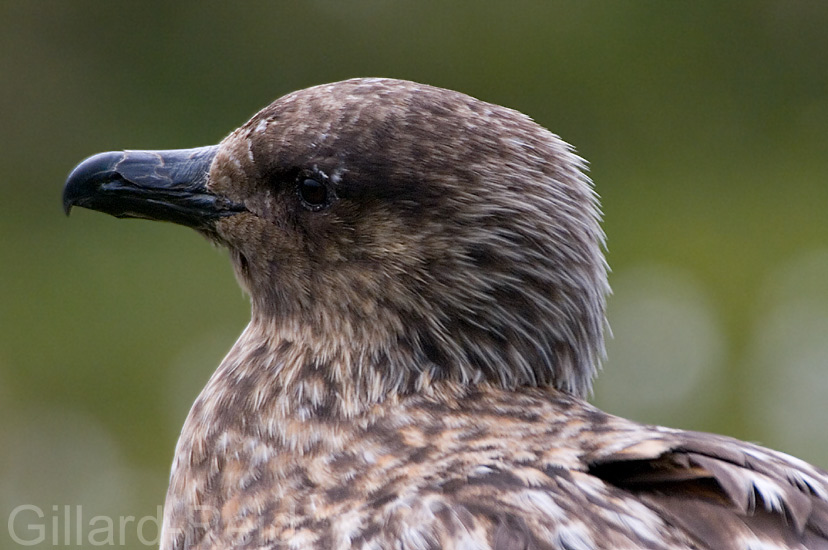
column 157, row 185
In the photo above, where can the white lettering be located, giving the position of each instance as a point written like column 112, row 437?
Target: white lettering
column 40, row 529
column 108, row 530
column 156, row 519
column 122, row 528
column 28, row 525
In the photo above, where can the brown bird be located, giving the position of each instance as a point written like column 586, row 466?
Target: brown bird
column 428, row 285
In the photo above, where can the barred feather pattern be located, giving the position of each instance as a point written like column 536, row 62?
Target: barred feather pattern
column 474, row 468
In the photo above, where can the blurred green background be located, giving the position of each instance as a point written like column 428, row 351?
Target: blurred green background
column 706, row 125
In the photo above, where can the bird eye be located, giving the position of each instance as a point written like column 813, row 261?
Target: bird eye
column 313, row 193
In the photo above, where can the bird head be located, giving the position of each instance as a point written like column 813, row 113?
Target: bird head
column 419, row 230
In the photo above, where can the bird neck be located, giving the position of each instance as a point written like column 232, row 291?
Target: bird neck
column 280, row 372
column 278, row 400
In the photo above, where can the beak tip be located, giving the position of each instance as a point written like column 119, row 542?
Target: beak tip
column 87, row 176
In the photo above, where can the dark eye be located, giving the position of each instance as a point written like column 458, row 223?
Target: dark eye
column 314, row 194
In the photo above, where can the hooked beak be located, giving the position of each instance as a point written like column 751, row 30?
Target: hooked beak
column 156, row 185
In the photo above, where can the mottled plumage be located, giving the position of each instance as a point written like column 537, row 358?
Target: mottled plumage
column 428, row 288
